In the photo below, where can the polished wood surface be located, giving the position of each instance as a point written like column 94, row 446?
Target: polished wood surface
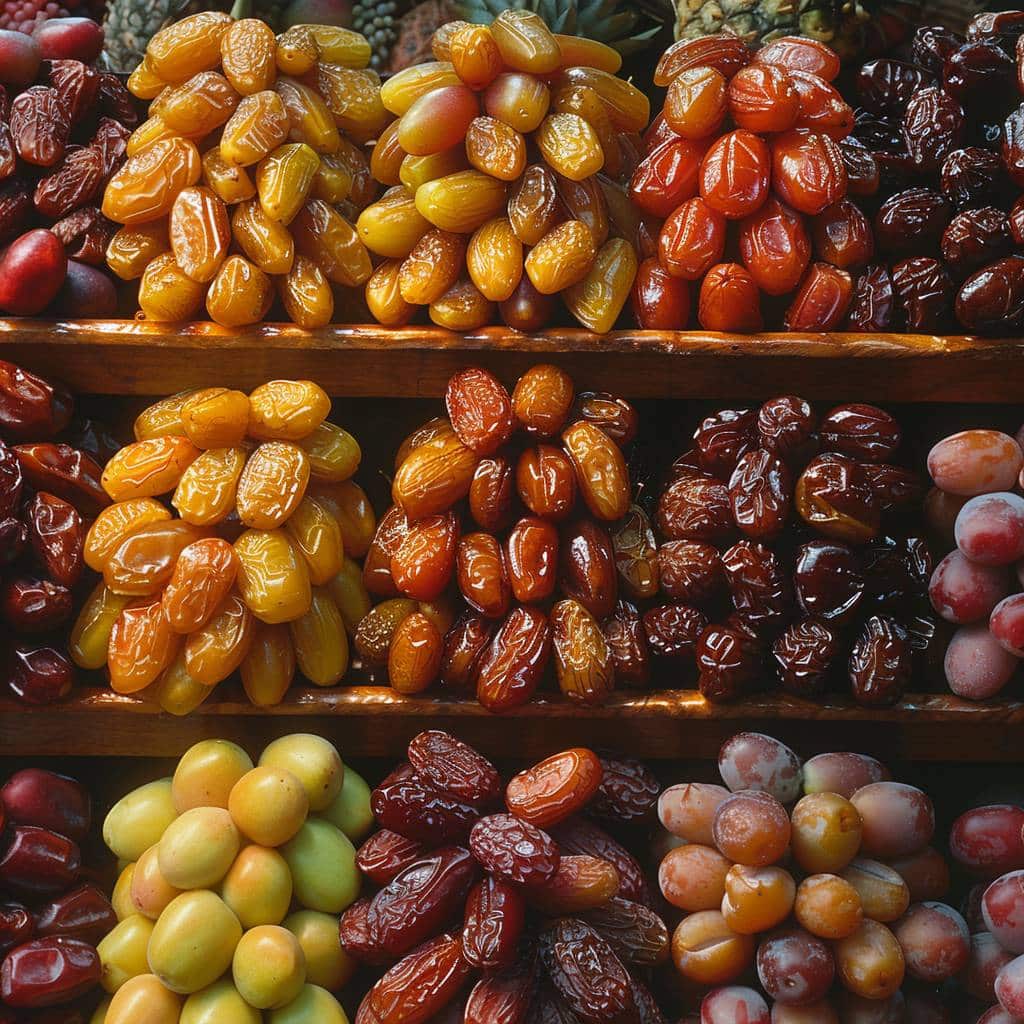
column 371, row 721
column 134, row 358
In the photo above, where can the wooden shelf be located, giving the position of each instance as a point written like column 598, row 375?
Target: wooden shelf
column 376, row 722
column 133, row 358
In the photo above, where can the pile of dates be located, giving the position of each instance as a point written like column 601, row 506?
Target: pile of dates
column 945, row 135
column 51, row 919
column 504, row 168
column 781, row 549
column 269, row 200
column 227, row 908
column 530, row 554
column 748, row 157
column 821, row 878
column 976, row 507
column 257, row 569
column 49, row 493
column 506, row 903
column 64, row 129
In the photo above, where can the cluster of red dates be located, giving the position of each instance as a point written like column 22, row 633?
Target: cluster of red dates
column 746, row 159
column 555, row 915
column 532, row 557
column 49, row 492
column 50, row 918
column 781, row 546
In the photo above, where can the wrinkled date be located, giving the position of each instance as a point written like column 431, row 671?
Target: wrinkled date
column 495, row 917
column 880, row 663
column 556, row 788
column 760, row 590
column 31, row 407
column 454, row 767
column 386, row 854
column 410, row 807
column 628, row 793
column 586, row 972
column 804, row 655
column 578, row 836
column 633, row 931
column 417, row 902
column 514, row 850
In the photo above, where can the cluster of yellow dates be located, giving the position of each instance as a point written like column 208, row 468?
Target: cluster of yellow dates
column 469, row 226
column 257, row 571
column 248, row 172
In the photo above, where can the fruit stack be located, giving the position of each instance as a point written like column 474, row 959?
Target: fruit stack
column 51, row 919
column 550, row 913
column 257, row 570
column 947, row 136
column 820, row 875
column 64, row 129
column 539, row 511
column 822, row 576
column 279, row 121
column 235, row 878
column 49, row 492
column 470, row 226
column 747, row 154
column 987, row 842
column 976, row 506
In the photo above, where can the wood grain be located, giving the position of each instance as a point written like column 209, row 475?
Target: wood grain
column 376, row 722
column 125, row 357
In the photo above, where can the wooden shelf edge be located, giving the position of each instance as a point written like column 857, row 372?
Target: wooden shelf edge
column 135, row 358
column 374, row 721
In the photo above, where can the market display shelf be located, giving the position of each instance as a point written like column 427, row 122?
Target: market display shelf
column 374, row 721
column 124, row 357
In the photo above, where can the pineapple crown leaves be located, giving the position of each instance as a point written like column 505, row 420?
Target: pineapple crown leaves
column 607, row 21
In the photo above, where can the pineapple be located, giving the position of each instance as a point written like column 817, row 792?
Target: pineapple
column 854, row 28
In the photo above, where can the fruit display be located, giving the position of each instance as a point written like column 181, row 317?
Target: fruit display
column 786, row 549
column 505, row 903
column 245, row 177
column 235, row 874
column 819, row 877
column 747, row 159
column 249, row 561
column 64, row 130
column 945, row 128
column 976, row 509
column 52, row 918
column 49, row 494
column 503, row 168
column 529, row 559
column 986, row 843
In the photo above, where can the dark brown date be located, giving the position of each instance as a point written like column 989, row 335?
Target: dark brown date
column 586, row 972
column 634, row 931
column 454, row 767
column 628, row 793
column 880, row 663
column 495, row 917
column 418, row 901
column 39, row 862
column 34, row 796
column 695, row 507
column 34, row 605
column 887, row 86
column 971, row 176
column 759, row 587
column 833, row 495
column 991, row 301
column 759, row 492
column 84, row 913
column 65, row 472
column 672, row 630
column 503, row 997
column 514, row 850
column 728, row 663
column 39, row 675
column 828, row 581
column 16, row 926
column 354, row 933
column 615, row 416
column 385, row 855
column 861, row 431
column 491, row 492
column 911, row 222
column 932, row 45
column 30, row 407
column 46, row 972
column 862, row 174
column 788, row 427
column 512, row 666
column 873, row 304
column 972, row 239
column 690, row 572
column 464, row 647
column 624, row 634
column 723, row 438
column 804, row 655
column 580, row 836
column 925, row 292
column 977, row 71
column 588, row 572
column 894, row 486
column 411, row 808
column 56, row 535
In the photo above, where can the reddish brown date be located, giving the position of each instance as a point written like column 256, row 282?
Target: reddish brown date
column 454, row 767
column 495, row 916
column 513, row 664
column 411, row 808
column 514, row 850
column 385, row 855
column 556, row 788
